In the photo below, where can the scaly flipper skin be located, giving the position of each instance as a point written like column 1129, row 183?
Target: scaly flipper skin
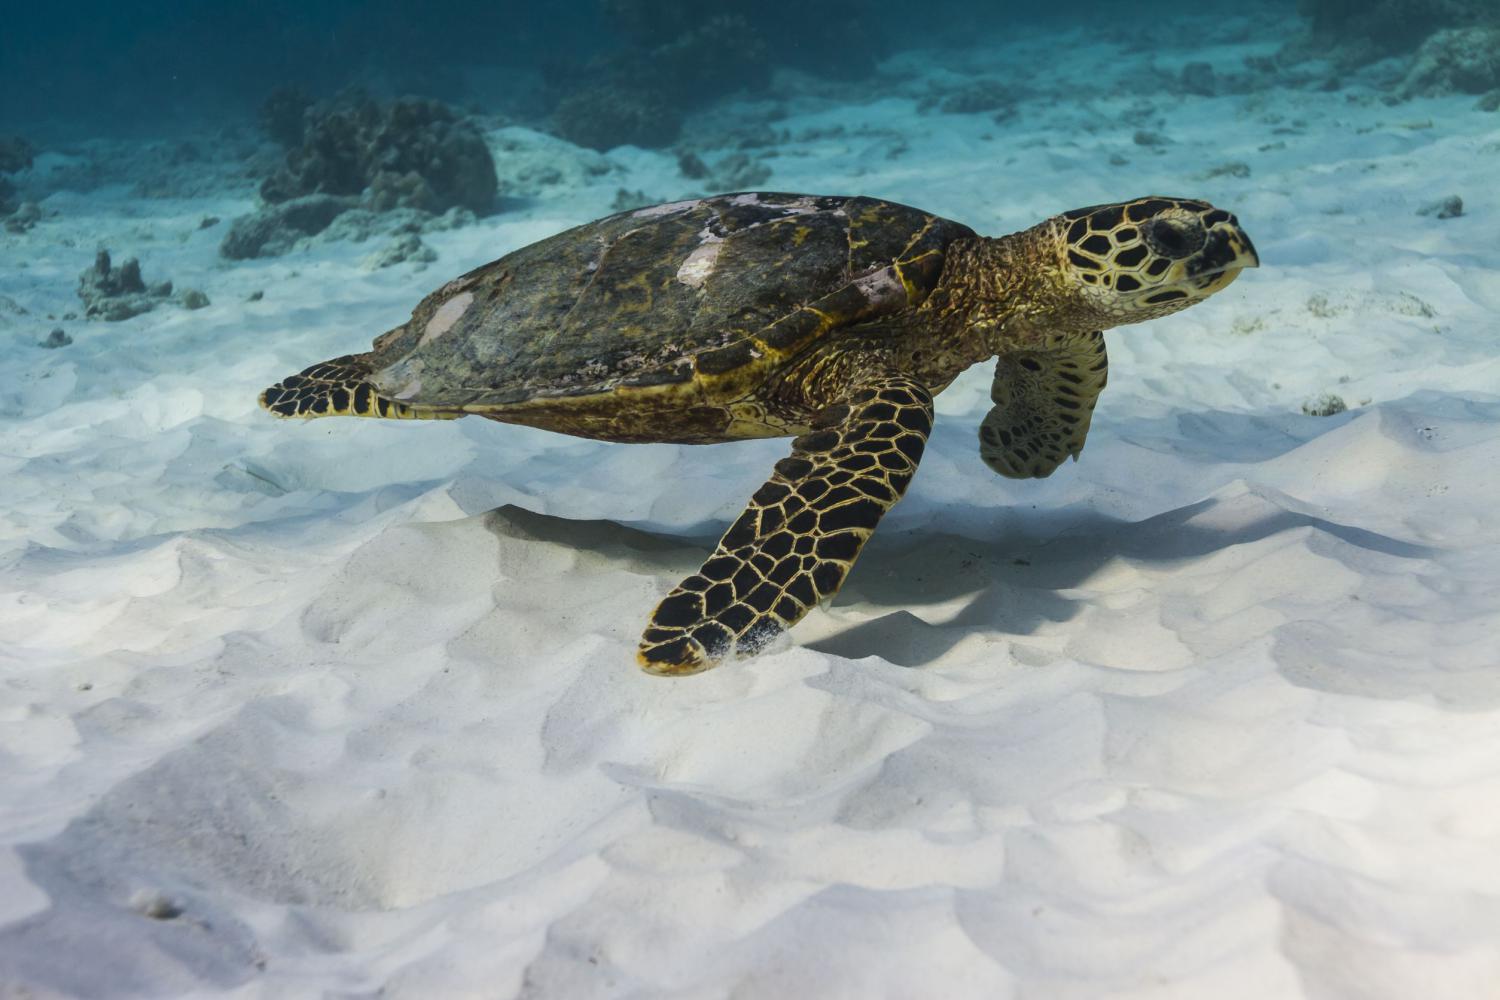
column 1044, row 402
column 798, row 538
column 340, row 388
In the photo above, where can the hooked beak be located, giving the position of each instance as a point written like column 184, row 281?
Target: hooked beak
column 1227, row 249
column 1245, row 255
column 1227, row 253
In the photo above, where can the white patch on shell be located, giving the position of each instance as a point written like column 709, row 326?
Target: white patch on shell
column 670, row 208
column 883, row 287
column 446, row 315
column 700, row 263
column 797, row 206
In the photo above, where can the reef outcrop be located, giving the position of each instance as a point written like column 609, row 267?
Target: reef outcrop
column 115, row 293
column 410, row 153
column 275, row 229
column 1389, row 27
column 603, row 116
column 282, row 115
column 416, row 159
column 1352, row 34
column 675, row 57
column 15, row 154
column 1456, row 60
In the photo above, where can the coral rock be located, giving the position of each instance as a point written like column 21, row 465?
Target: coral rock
column 15, row 154
column 274, row 230
column 1450, row 207
column 282, row 115
column 608, row 116
column 1198, row 78
column 682, row 56
column 1385, row 27
column 410, row 153
column 1326, row 405
column 116, row 293
column 1465, row 60
column 28, row 214
column 400, row 250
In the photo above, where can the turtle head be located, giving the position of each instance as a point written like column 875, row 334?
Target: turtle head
column 1149, row 257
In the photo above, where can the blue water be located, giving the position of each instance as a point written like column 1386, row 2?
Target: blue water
column 104, row 68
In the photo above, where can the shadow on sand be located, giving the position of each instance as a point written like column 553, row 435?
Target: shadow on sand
column 1007, row 586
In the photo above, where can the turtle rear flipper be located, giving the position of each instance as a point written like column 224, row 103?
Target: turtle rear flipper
column 1044, row 401
column 798, row 538
column 341, row 388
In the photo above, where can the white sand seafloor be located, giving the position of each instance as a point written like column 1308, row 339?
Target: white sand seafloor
column 348, row 707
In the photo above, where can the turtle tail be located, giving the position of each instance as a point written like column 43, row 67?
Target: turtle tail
column 341, row 388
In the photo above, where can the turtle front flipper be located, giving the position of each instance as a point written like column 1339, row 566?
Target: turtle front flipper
column 795, row 542
column 341, row 388
column 1044, row 400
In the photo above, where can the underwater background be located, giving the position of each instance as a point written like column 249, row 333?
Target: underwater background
column 349, row 707
column 150, row 66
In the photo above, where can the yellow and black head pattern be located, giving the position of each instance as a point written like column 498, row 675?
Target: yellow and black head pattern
column 1152, row 256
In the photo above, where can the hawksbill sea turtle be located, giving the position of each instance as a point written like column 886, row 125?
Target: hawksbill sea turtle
column 833, row 320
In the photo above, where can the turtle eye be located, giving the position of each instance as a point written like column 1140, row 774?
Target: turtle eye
column 1175, row 238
